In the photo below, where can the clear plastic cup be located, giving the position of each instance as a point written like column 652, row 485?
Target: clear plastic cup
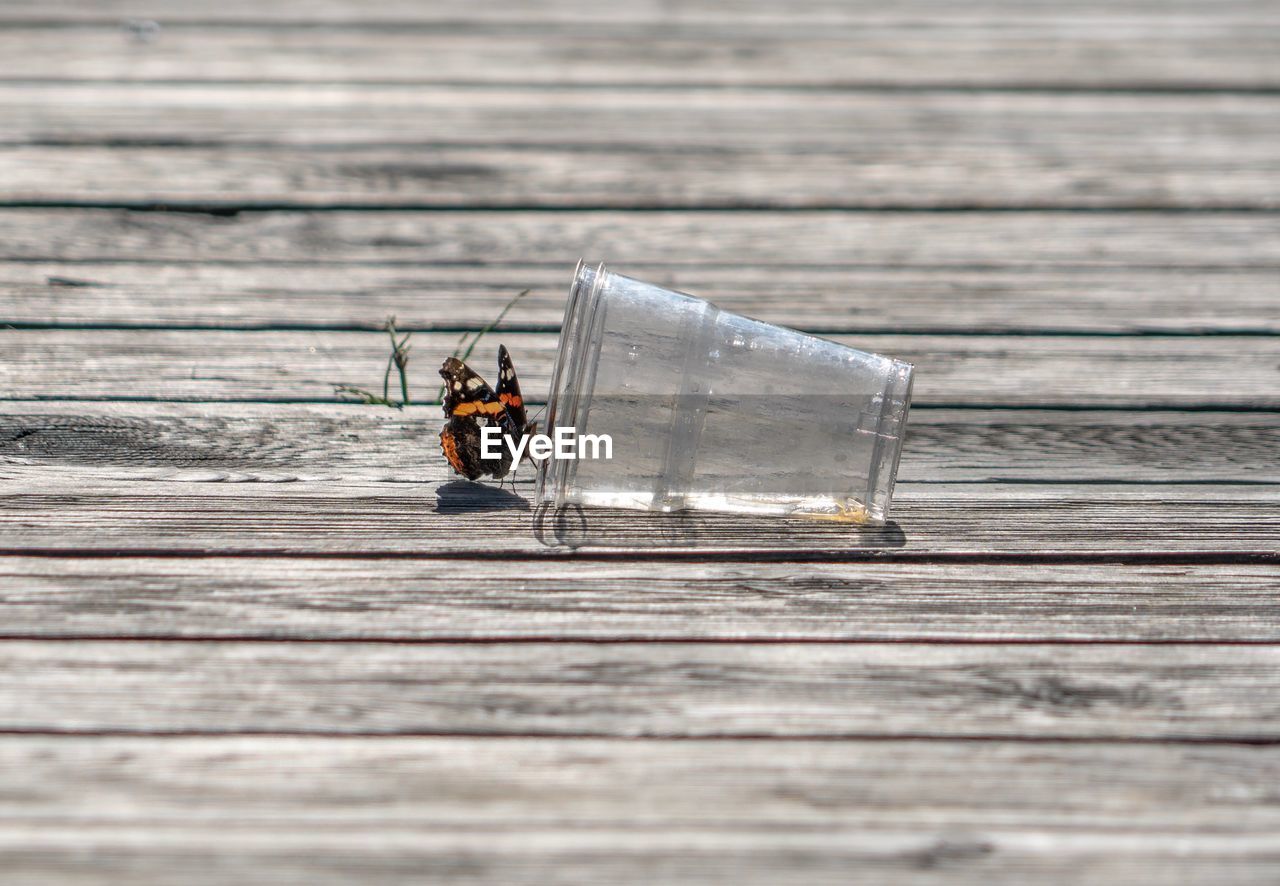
column 711, row 410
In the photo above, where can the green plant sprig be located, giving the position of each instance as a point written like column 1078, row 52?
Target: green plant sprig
column 399, row 358
column 465, row 355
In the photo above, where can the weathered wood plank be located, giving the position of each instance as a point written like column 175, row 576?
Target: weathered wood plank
column 1043, row 371
column 870, row 48
column 286, row 442
column 1055, row 788
column 674, row 689
column 890, row 299
column 153, row 854
column 333, row 810
column 721, row 12
column 289, row 598
column 655, row 124
column 674, row 240
column 345, row 479
column 627, row 149
column 1068, row 50
column 245, row 442
column 914, row 168
column 417, row 516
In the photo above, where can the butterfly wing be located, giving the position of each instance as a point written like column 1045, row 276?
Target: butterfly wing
column 466, row 393
column 470, row 404
column 460, row 443
column 509, row 390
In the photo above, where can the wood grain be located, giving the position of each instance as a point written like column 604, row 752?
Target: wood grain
column 640, row 150
column 432, row 599
column 342, row 443
column 633, row 149
column 676, row 240
column 697, row 689
column 870, row 49
column 294, row 810
column 1042, row 371
column 657, row 124
column 153, row 854
column 418, row 516
column 338, row 783
column 854, row 299
column 653, row 122
column 725, row 13
column 1058, row 664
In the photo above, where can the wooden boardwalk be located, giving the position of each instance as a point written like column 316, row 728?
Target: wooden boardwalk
column 251, row 634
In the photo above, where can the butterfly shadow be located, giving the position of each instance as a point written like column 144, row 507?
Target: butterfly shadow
column 466, row 497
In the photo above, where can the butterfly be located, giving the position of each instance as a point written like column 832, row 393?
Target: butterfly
column 471, row 405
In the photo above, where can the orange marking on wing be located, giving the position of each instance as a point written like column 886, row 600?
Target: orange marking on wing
column 449, row 446
column 474, row 406
column 511, row 400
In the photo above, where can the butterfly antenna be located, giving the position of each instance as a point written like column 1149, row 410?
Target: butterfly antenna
column 465, row 355
column 489, row 327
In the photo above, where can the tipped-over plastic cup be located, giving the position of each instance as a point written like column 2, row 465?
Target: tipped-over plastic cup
column 710, row 410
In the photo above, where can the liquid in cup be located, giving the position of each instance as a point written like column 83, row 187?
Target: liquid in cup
column 710, row 410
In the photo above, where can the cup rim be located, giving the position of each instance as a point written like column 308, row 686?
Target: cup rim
column 552, row 478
